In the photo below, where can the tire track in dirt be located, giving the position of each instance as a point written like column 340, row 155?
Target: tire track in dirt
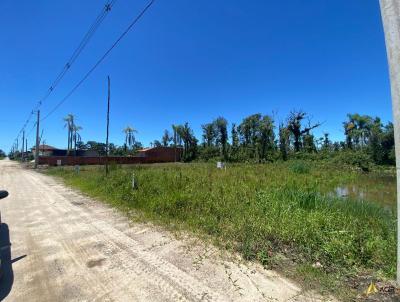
column 82, row 250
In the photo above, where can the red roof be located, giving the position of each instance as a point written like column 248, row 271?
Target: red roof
column 144, row 149
column 45, row 148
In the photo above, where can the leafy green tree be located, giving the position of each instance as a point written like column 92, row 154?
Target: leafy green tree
column 221, row 127
column 357, row 130
column 387, row 143
column 96, row 146
column 209, row 135
column 266, row 136
column 235, row 143
column 248, row 129
column 189, row 141
column 157, row 143
column 309, row 142
column 326, row 142
column 284, row 141
column 257, row 136
column 234, row 136
column 166, row 139
column 369, row 135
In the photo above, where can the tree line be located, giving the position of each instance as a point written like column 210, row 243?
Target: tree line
column 258, row 138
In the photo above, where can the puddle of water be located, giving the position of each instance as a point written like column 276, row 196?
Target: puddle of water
column 376, row 188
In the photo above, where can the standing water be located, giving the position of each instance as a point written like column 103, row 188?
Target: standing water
column 373, row 188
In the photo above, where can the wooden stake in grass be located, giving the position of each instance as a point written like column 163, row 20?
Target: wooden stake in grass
column 108, row 123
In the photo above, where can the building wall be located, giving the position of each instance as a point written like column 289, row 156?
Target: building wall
column 167, row 154
column 156, row 155
column 87, row 160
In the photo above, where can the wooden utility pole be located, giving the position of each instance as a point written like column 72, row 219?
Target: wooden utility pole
column 37, row 140
column 23, row 145
column 390, row 10
column 108, row 123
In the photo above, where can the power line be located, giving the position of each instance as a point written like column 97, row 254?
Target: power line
column 134, row 21
column 30, row 131
column 85, row 40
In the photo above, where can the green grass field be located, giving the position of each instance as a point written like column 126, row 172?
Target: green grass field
column 274, row 213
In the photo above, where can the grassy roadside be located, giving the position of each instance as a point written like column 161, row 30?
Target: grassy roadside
column 274, row 213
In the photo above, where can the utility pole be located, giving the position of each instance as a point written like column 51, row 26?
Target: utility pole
column 37, row 140
column 23, row 146
column 108, row 123
column 390, row 10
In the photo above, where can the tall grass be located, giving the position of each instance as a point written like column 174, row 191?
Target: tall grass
column 259, row 210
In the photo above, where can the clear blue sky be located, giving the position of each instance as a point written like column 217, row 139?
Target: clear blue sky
column 193, row 61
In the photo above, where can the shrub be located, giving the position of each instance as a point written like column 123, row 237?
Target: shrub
column 300, row 167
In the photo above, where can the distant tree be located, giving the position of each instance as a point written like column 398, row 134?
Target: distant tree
column 284, row 141
column 69, row 124
column 157, row 143
column 266, row 136
column 129, row 137
column 137, row 146
column 357, row 130
column 221, row 130
column 209, row 134
column 257, row 136
column 175, row 135
column 75, row 135
column 337, row 146
column 388, row 144
column 80, row 145
column 189, row 141
column 375, row 136
column 166, row 139
column 309, row 142
column 234, row 136
column 235, row 144
column 2, row 154
column 248, row 129
column 294, row 125
column 326, row 145
column 367, row 134
column 96, row 146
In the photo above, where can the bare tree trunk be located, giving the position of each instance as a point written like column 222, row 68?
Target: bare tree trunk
column 390, row 10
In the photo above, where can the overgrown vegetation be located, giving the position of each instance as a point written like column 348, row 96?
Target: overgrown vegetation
column 367, row 141
column 257, row 140
column 262, row 211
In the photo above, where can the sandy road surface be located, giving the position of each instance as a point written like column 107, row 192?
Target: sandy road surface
column 67, row 247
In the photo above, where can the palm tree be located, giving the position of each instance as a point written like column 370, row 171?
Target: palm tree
column 69, row 119
column 174, row 129
column 129, row 136
column 76, row 136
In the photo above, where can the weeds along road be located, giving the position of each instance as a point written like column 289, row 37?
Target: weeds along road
column 67, row 247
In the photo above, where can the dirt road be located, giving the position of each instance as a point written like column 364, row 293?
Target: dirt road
column 67, row 247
